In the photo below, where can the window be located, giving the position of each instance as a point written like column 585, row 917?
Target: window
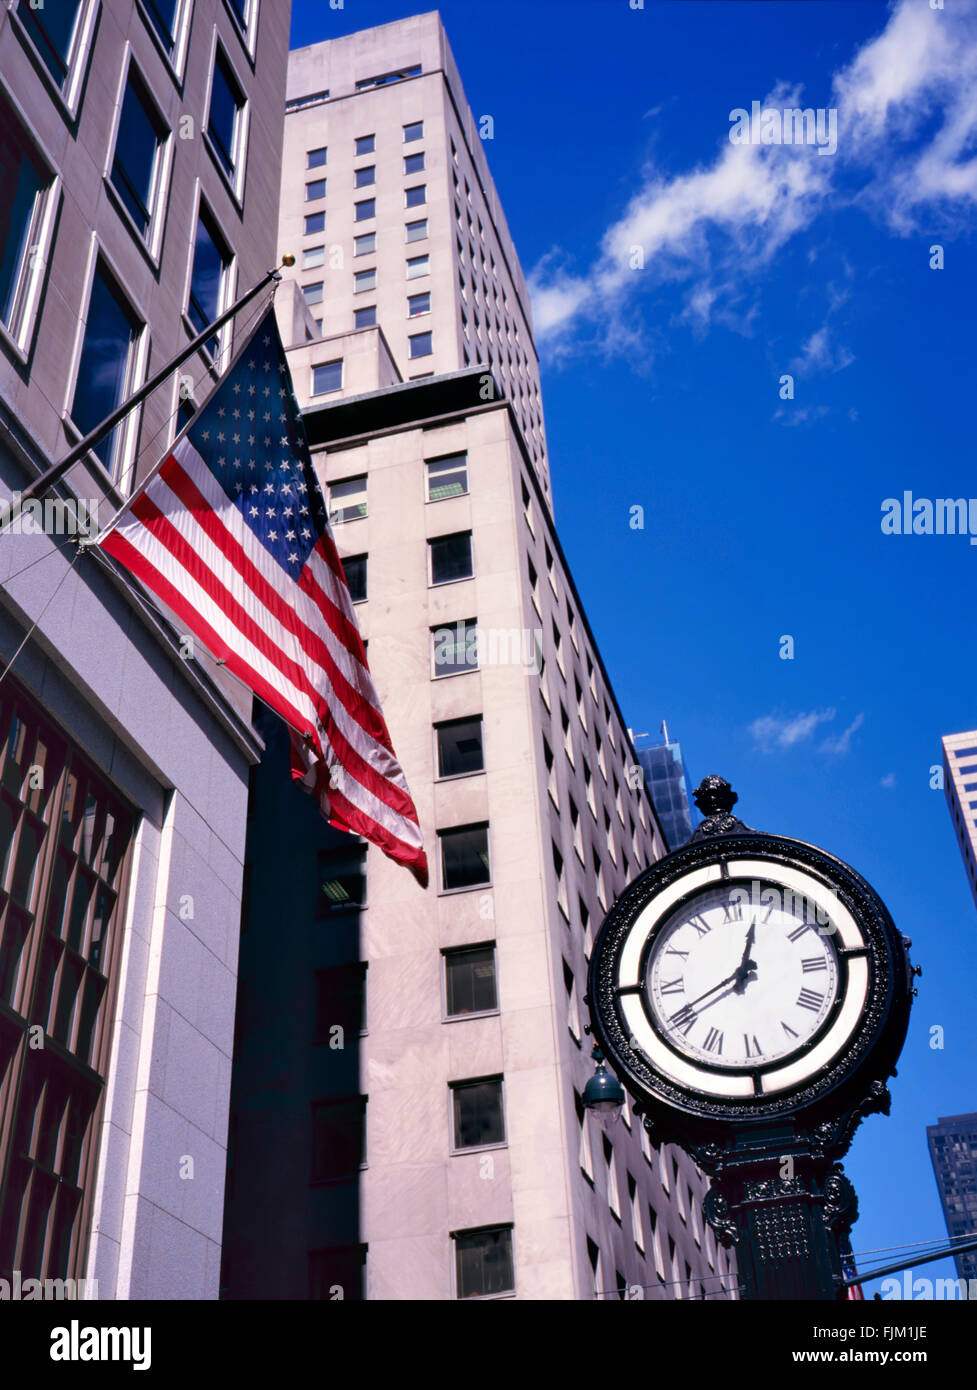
column 417, row 266
column 477, row 1113
column 26, row 225
column 414, row 131
column 338, row 1138
column 311, row 99
column 312, row 294
column 420, row 344
column 366, row 176
column 167, row 19
column 447, row 477
column 483, row 1262
column 338, row 1267
column 313, row 256
column 464, row 857
column 366, row 144
column 416, row 195
column 366, row 209
column 315, row 222
column 347, row 499
column 342, row 881
column 451, row 557
column 107, row 369
column 364, row 245
column 314, row 190
column 417, row 231
column 455, row 648
column 418, row 304
column 414, row 163
column 459, row 747
column 54, row 30
column 340, row 1001
column 365, row 318
column 364, row 280
column 227, row 121
column 245, row 13
column 469, row 981
column 327, row 376
column 314, row 159
column 387, row 77
column 138, row 165
column 210, row 281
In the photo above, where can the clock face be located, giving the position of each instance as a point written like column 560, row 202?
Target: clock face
column 741, row 984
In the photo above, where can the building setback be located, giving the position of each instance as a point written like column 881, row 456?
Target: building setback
column 406, row 1117
column 141, row 145
column 953, row 1150
column 960, row 790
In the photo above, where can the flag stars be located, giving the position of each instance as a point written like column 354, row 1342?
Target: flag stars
column 269, row 487
column 252, row 511
column 273, row 535
column 237, row 388
column 293, row 556
column 270, row 511
column 221, row 411
column 290, row 535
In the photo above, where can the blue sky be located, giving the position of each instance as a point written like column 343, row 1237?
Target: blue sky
column 762, row 515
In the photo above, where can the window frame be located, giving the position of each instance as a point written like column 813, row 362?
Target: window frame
column 447, row 951
column 314, row 231
column 235, row 180
column 433, row 583
column 150, row 240
column 248, row 34
column 176, row 57
column 316, row 366
column 416, row 260
column 28, row 288
column 408, row 226
column 413, row 125
column 68, row 93
column 507, row 1226
column 365, row 281
column 413, row 338
column 444, row 627
column 417, row 202
column 445, row 458
column 367, row 216
column 228, row 284
column 482, row 884
column 454, row 1148
column 364, row 309
column 344, row 560
column 360, row 154
column 369, row 251
column 335, row 482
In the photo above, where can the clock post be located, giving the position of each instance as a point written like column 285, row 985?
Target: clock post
column 752, row 993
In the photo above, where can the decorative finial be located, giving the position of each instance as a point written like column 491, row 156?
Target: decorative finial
column 714, row 794
column 288, row 258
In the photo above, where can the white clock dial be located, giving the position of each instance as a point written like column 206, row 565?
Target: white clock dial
column 732, row 985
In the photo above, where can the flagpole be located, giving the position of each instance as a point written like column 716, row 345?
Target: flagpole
column 58, row 470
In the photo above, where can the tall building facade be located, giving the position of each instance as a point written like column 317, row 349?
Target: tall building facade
column 953, row 1150
column 141, row 145
column 670, row 787
column 407, row 1117
column 960, row 790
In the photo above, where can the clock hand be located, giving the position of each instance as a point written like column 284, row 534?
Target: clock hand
column 746, row 966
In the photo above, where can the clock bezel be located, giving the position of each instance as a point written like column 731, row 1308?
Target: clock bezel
column 866, row 1054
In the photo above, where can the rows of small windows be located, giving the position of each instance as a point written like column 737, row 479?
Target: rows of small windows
column 114, row 347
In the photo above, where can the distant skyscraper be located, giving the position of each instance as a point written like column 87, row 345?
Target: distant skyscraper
column 953, row 1149
column 407, row 1116
column 667, row 779
column 960, row 789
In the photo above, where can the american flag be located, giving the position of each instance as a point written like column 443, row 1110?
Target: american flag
column 231, row 532
column 853, row 1293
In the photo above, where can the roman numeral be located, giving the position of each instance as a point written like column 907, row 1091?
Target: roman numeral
column 789, row 1031
column 701, row 927
column 807, row 999
column 814, row 963
column 673, row 986
column 752, row 1046
column 734, row 912
column 684, row 1020
column 714, row 1041
column 798, row 932
column 671, row 951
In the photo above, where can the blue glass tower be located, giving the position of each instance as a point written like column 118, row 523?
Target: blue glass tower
column 668, row 782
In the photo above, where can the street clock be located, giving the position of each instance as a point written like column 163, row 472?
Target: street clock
column 752, row 993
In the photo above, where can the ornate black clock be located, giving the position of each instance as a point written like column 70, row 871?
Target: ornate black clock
column 753, row 995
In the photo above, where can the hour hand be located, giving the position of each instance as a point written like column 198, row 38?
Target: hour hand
column 746, row 966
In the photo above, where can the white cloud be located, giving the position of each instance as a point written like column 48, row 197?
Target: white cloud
column 817, row 354
column 841, row 743
column 889, row 780
column 776, row 731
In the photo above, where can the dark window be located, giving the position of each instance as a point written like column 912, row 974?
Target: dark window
column 211, row 261
column 460, row 747
column 469, row 981
column 52, row 29
column 342, row 881
column 366, row 209
column 341, row 1268
column 24, row 180
column 338, row 1138
column 366, row 144
column 483, row 1262
column 314, row 159
column 385, row 78
column 314, row 190
column 416, row 196
column 328, row 376
column 417, row 231
column 111, row 332
column 315, row 222
column 464, row 856
column 365, row 244
column 365, row 318
column 421, row 344
column 451, row 557
column 241, row 10
column 162, row 13
column 364, row 280
column 414, row 131
column 226, row 107
column 366, row 176
column 137, row 146
column 455, row 648
column 418, row 304
column 354, row 568
column 413, row 163
column 477, row 1111
column 340, row 1001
